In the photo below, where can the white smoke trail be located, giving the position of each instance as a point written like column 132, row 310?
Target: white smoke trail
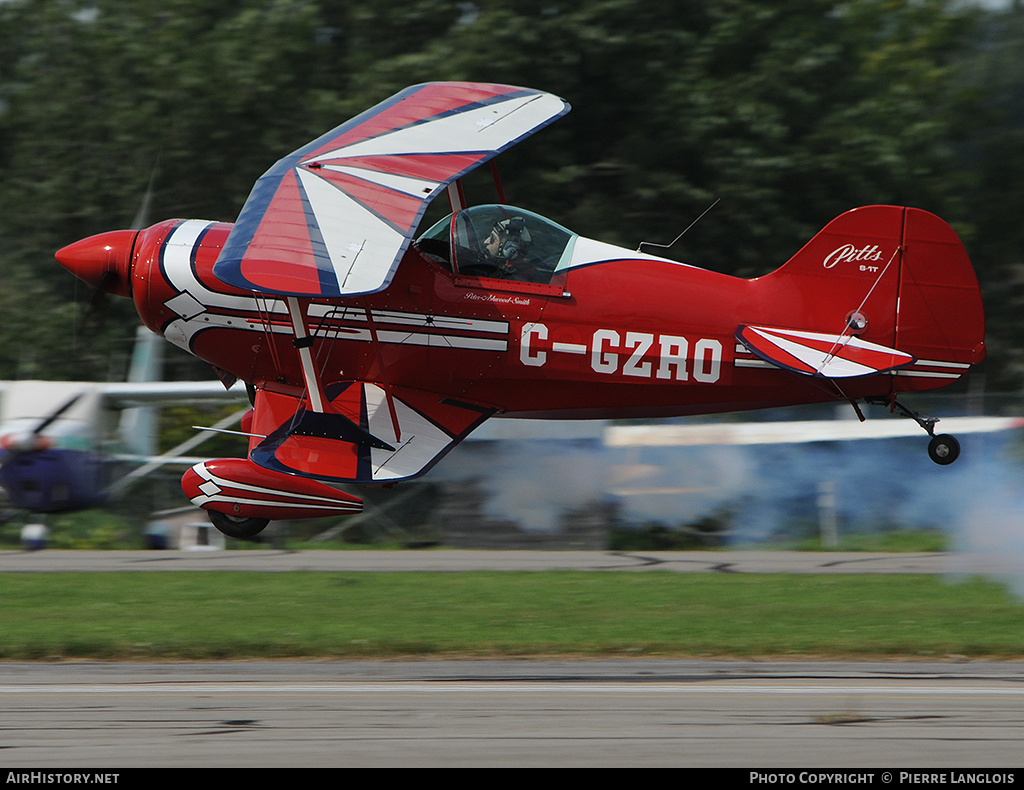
column 880, row 484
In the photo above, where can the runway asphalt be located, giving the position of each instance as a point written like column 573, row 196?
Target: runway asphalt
column 273, row 560
column 623, row 713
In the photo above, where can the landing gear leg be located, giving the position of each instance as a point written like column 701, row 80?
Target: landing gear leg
column 943, row 449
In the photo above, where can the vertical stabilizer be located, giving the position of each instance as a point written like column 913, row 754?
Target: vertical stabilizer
column 878, row 276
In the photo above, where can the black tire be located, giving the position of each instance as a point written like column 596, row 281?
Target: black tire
column 944, row 449
column 235, row 527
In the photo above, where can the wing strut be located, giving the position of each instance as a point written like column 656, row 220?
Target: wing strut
column 456, row 197
column 304, row 345
column 317, row 420
column 497, row 183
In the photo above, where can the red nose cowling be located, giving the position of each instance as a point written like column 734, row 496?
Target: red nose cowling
column 103, row 261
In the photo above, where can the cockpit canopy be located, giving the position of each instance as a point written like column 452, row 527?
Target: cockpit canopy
column 499, row 241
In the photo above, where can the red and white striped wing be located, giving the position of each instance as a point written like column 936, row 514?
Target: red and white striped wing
column 334, row 218
column 821, row 354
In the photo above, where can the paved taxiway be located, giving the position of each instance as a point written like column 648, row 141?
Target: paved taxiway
column 638, row 712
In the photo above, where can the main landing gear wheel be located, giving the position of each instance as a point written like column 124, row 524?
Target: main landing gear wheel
column 944, row 449
column 235, row 527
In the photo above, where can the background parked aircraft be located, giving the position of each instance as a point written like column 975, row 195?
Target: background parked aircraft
column 69, row 445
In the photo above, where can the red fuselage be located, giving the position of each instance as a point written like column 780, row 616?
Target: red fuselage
column 627, row 337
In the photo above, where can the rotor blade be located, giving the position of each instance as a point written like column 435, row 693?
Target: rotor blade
column 98, row 300
column 50, row 420
column 96, row 309
column 142, row 215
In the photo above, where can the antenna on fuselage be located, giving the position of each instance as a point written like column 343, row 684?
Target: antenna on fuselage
column 677, row 238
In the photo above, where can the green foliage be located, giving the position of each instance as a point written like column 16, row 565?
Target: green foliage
column 178, row 425
column 995, row 69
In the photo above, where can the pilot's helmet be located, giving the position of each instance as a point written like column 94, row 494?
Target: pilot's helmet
column 513, row 235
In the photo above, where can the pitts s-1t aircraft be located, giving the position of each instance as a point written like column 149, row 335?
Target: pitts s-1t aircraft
column 370, row 352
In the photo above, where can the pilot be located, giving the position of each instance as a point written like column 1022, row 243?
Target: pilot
column 506, row 245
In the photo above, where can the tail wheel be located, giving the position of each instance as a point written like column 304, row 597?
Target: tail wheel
column 944, row 449
column 235, row 527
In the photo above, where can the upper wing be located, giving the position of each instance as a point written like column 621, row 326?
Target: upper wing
column 334, row 218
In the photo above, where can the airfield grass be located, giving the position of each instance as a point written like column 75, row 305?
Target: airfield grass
column 229, row 615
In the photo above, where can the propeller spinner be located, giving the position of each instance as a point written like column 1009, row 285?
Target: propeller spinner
column 103, row 261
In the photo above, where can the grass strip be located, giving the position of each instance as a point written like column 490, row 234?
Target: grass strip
column 229, row 615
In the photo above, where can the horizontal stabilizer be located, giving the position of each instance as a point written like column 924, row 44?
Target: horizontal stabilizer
column 820, row 354
column 363, row 438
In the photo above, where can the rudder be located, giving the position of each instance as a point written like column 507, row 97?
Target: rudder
column 941, row 316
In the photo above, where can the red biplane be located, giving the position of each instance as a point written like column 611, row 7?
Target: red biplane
column 370, row 351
